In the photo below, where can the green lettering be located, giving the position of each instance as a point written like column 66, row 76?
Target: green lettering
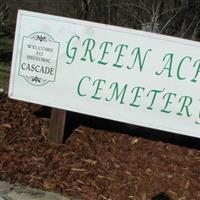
column 105, row 46
column 137, row 96
column 116, row 92
column 79, row 85
column 90, row 44
column 120, row 54
column 168, row 65
column 154, row 95
column 179, row 67
column 98, row 83
column 168, row 102
column 196, row 122
column 187, row 101
column 197, row 71
column 138, row 57
column 71, row 52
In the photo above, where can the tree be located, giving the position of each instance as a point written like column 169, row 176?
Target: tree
column 173, row 17
column 3, row 14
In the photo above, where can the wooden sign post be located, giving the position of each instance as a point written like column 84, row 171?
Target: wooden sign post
column 115, row 73
column 57, row 126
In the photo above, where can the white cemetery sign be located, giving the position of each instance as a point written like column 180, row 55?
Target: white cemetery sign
column 116, row 73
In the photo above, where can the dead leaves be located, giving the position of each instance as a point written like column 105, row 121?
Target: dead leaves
column 134, row 141
column 50, row 184
column 6, row 125
column 6, row 148
column 89, row 161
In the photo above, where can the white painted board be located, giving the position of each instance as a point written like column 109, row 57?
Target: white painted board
column 116, row 73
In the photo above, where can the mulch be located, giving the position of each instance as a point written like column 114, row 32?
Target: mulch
column 93, row 164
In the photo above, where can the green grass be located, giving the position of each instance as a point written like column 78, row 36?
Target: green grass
column 5, row 61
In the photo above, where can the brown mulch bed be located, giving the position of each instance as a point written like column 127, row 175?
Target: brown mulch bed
column 93, row 164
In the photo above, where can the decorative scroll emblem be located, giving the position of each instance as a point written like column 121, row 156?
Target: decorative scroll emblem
column 39, row 57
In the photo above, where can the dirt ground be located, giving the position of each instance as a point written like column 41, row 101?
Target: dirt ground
column 93, row 164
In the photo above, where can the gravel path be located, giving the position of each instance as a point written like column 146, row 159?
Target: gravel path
column 11, row 192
